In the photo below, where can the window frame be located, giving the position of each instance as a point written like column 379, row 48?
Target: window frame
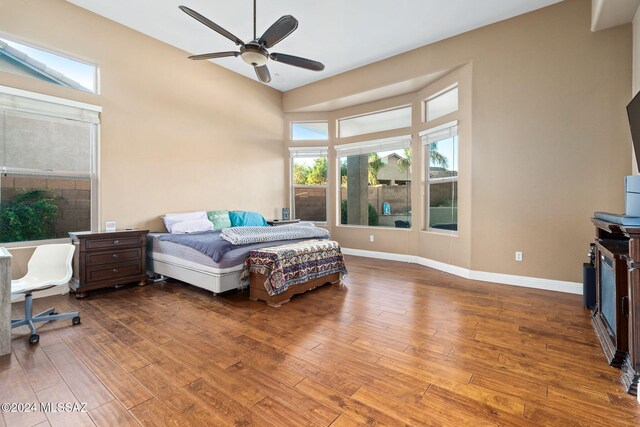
column 96, row 69
column 293, row 122
column 61, row 108
column 372, row 113
column 425, row 107
column 321, row 152
column 426, row 148
column 373, row 146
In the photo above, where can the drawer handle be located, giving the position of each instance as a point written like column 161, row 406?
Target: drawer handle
column 116, row 242
column 116, row 255
column 115, row 270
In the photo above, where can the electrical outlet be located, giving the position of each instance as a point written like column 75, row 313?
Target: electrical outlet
column 518, row 256
column 371, row 238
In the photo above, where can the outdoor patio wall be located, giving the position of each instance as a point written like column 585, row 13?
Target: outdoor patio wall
column 549, row 139
column 175, row 135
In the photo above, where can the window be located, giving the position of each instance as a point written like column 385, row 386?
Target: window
column 442, row 104
column 375, row 122
column 309, row 183
column 47, row 166
column 23, row 60
column 375, row 183
column 441, row 160
column 306, row 131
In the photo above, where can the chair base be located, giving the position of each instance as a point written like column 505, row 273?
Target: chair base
column 30, row 320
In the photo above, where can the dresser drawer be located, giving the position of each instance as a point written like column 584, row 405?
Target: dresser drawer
column 115, row 256
column 113, row 271
column 113, row 243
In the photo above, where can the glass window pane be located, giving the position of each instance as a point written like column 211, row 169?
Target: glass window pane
column 375, row 122
column 443, row 158
column 36, row 142
column 311, row 203
column 376, row 189
column 443, row 205
column 17, row 58
column 34, row 207
column 442, row 104
column 305, row 131
column 310, row 188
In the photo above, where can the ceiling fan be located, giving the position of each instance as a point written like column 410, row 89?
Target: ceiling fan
column 255, row 51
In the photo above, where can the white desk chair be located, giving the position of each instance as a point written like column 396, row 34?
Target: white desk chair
column 49, row 266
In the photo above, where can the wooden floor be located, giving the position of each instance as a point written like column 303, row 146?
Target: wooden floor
column 400, row 344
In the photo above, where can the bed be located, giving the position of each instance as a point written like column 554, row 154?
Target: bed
column 167, row 257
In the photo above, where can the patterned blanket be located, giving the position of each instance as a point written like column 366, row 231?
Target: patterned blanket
column 250, row 234
column 292, row 264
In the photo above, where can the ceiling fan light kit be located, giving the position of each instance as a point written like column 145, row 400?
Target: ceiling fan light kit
column 255, row 51
column 254, row 55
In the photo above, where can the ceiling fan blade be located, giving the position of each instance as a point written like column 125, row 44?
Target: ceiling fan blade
column 263, row 73
column 214, row 55
column 278, row 31
column 297, row 61
column 215, row 27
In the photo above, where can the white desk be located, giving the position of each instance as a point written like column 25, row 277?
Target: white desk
column 5, row 301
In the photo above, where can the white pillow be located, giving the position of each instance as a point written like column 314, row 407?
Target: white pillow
column 174, row 218
column 193, row 226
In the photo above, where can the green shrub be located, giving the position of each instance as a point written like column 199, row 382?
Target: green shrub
column 373, row 214
column 28, row 216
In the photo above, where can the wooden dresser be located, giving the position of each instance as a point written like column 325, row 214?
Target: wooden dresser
column 616, row 315
column 108, row 258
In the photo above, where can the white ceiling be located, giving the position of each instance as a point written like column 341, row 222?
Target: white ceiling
column 342, row 34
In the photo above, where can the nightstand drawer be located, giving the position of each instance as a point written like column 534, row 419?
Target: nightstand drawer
column 113, row 243
column 112, row 256
column 113, row 271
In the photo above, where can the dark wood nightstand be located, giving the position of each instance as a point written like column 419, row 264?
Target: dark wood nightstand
column 108, row 258
column 274, row 222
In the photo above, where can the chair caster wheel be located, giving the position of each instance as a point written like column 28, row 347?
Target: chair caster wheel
column 75, row 320
column 34, row 338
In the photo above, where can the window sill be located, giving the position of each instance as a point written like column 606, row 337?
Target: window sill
column 34, row 243
column 440, row 232
column 373, row 227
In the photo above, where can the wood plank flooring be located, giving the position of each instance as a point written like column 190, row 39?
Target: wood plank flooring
column 399, row 344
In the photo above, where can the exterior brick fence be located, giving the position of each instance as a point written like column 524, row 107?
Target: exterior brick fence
column 71, row 195
column 311, row 201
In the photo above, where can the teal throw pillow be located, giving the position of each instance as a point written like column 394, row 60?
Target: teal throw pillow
column 240, row 219
column 220, row 219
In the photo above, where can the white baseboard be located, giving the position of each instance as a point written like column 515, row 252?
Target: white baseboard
column 484, row 276
column 56, row 290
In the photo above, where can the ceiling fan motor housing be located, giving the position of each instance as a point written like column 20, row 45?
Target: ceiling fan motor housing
column 254, row 54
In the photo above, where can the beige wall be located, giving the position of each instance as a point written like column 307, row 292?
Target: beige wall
column 176, row 135
column 549, row 138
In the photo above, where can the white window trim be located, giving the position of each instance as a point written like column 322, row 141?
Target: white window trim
column 436, row 129
column 375, row 145
column 13, row 99
column 48, row 98
column 308, row 152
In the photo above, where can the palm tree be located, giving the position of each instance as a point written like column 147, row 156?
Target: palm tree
column 435, row 157
column 375, row 163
